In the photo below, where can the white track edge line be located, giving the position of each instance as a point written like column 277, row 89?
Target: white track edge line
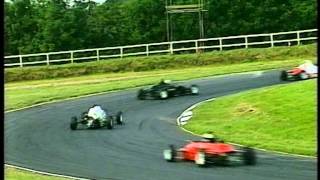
column 44, row 173
column 260, row 149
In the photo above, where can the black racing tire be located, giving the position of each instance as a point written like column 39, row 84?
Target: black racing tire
column 119, row 118
column 170, row 154
column 141, row 94
column 73, row 123
column 194, row 89
column 110, row 123
column 249, row 156
column 201, row 159
column 284, row 76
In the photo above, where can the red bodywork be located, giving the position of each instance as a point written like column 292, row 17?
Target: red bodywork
column 295, row 71
column 190, row 150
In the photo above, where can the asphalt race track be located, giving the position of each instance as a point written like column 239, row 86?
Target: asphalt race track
column 39, row 138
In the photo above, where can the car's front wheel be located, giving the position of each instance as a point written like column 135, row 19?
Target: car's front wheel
column 73, row 123
column 119, row 118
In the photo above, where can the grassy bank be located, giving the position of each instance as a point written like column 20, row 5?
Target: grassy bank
column 160, row 62
column 281, row 118
column 15, row 174
column 21, row 94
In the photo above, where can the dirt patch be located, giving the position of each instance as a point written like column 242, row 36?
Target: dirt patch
column 244, row 109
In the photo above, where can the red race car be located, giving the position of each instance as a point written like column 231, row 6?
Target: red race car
column 306, row 70
column 211, row 151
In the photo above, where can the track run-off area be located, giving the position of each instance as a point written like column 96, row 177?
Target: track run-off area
column 39, row 138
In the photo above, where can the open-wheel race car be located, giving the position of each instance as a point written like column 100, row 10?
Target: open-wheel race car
column 95, row 118
column 210, row 151
column 165, row 89
column 302, row 72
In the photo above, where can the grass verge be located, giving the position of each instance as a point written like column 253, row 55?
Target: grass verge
column 22, row 94
column 16, row 174
column 280, row 118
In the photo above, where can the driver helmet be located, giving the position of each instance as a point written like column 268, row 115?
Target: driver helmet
column 209, row 137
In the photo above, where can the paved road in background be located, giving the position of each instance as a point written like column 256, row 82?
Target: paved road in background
column 39, row 138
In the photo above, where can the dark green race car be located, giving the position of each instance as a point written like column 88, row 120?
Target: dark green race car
column 165, row 89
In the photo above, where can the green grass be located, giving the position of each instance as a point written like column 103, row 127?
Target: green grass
column 160, row 62
column 15, row 174
column 22, row 94
column 280, row 118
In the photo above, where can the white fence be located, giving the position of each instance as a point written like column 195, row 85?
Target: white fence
column 199, row 45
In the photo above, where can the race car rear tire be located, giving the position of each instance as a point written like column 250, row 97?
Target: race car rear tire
column 200, row 159
column 170, row 154
column 110, row 124
column 119, row 118
column 284, row 76
column 249, row 156
column 73, row 123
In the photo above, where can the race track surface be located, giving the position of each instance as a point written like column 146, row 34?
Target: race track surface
column 39, row 138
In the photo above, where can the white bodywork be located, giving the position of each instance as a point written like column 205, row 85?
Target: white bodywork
column 309, row 67
column 97, row 112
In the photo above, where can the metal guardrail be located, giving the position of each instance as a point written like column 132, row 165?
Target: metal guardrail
column 272, row 39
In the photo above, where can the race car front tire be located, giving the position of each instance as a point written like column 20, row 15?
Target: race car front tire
column 119, row 118
column 73, row 123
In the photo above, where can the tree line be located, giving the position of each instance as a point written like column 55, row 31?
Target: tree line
column 33, row 26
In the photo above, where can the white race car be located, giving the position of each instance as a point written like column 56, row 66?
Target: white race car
column 96, row 117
